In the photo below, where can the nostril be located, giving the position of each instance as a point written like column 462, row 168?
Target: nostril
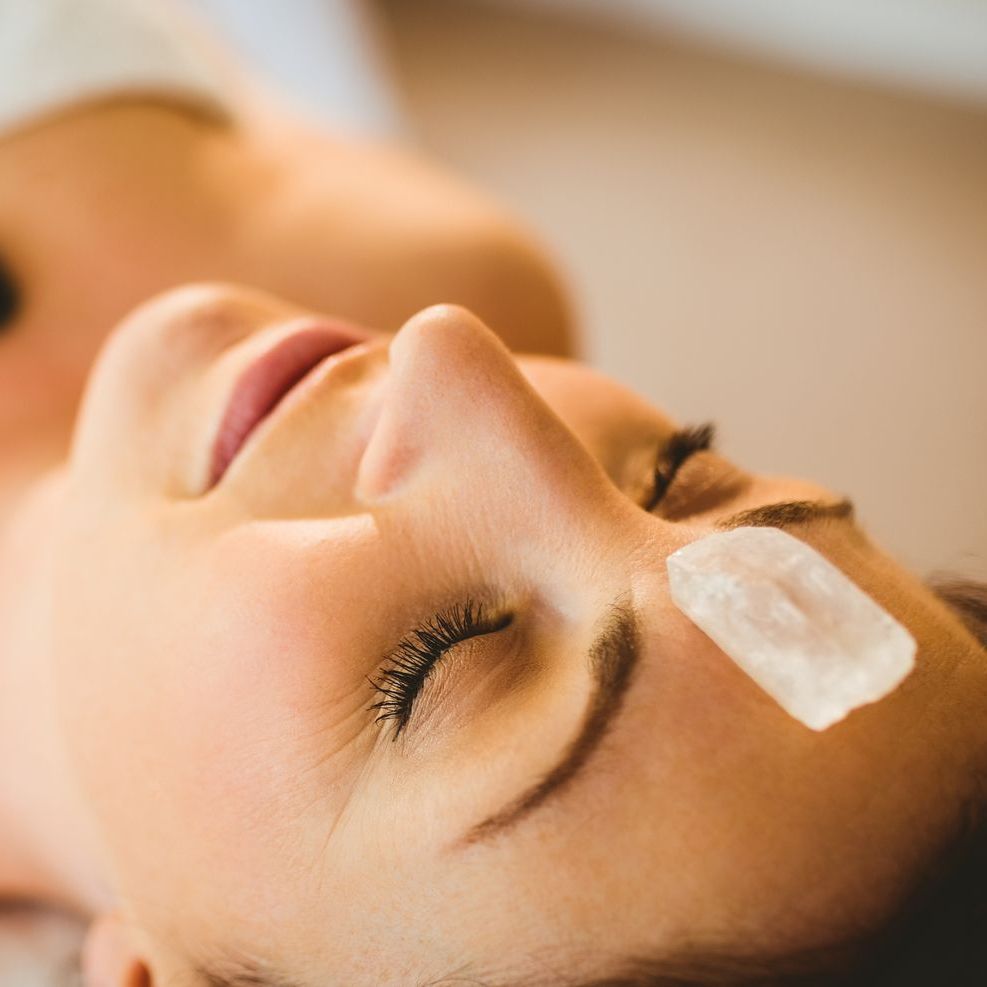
column 456, row 406
column 440, row 383
column 389, row 457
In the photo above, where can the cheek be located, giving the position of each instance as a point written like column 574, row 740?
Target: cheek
column 39, row 387
column 609, row 419
column 206, row 709
column 45, row 361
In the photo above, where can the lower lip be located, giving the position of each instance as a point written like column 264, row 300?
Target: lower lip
column 269, row 380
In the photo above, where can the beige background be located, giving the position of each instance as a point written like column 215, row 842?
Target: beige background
column 800, row 259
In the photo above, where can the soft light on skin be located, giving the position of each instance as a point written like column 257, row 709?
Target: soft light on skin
column 112, row 202
column 208, row 666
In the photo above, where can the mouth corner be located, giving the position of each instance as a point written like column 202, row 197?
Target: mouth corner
column 268, row 380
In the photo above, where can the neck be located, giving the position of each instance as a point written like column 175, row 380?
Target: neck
column 47, row 848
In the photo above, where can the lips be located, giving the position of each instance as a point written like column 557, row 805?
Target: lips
column 266, row 382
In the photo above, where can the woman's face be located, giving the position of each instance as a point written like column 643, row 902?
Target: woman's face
column 584, row 776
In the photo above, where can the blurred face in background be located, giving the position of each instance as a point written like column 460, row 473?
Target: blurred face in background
column 385, row 684
column 109, row 205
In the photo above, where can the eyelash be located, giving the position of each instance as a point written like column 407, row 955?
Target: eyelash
column 683, row 444
column 408, row 667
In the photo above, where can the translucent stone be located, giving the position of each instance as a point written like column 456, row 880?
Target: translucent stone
column 807, row 634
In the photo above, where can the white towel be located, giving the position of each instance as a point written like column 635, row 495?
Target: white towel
column 60, row 53
column 326, row 57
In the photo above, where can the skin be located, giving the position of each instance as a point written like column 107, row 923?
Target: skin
column 111, row 203
column 200, row 661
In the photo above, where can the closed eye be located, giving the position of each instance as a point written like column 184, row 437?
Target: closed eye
column 406, row 670
column 683, row 444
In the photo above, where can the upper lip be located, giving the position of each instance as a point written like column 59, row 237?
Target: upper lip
column 263, row 384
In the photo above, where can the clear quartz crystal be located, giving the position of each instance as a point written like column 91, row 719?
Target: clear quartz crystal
column 807, row 634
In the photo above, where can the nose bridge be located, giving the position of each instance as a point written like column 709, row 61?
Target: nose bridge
column 460, row 413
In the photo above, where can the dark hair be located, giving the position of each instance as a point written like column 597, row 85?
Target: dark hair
column 935, row 937
column 967, row 599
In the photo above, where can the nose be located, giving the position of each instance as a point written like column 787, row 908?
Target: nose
column 460, row 417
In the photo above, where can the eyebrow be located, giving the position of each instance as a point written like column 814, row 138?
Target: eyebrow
column 789, row 513
column 612, row 658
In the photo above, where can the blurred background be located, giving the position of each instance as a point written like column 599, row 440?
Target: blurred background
column 771, row 213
